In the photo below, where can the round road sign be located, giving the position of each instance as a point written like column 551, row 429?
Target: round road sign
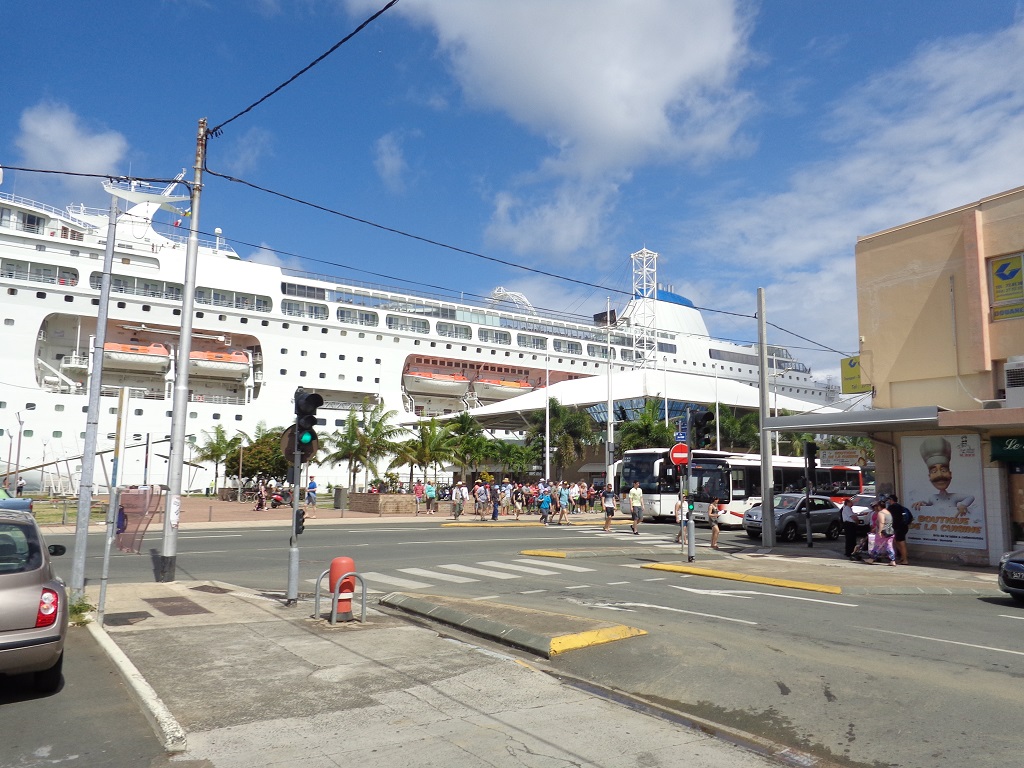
column 680, row 453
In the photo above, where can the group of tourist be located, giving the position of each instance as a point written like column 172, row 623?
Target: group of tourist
column 547, row 498
column 880, row 533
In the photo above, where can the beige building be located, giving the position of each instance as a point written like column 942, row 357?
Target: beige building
column 940, row 306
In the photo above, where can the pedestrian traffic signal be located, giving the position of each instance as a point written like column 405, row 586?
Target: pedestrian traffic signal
column 702, row 425
column 306, row 404
column 300, row 521
column 811, row 454
column 689, row 506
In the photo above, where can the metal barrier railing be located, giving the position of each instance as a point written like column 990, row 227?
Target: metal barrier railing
column 336, row 594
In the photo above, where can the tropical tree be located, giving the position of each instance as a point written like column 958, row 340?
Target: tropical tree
column 571, row 431
column 516, row 458
column 432, row 446
column 367, row 437
column 739, row 431
column 215, row 448
column 647, row 430
column 345, row 445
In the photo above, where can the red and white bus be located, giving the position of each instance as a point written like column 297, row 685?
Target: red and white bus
column 732, row 478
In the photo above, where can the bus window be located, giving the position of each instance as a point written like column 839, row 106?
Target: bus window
column 639, row 468
column 709, row 481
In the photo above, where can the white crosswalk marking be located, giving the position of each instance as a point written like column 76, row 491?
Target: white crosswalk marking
column 521, row 568
column 477, row 571
column 435, row 575
column 560, row 566
column 394, row 580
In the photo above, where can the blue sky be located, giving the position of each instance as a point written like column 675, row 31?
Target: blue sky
column 749, row 144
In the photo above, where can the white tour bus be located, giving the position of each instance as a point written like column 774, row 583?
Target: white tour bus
column 732, row 478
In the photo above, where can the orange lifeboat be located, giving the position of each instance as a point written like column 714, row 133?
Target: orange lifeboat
column 427, row 382
column 500, row 389
column 135, row 356
column 224, row 364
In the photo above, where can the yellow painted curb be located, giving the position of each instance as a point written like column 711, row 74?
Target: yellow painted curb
column 805, row 585
column 543, row 553
column 578, row 640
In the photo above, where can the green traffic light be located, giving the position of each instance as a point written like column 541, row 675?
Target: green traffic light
column 305, row 438
column 690, row 506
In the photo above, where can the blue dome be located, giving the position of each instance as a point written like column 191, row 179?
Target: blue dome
column 671, row 298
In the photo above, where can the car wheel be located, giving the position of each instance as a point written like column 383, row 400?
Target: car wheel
column 1018, row 596
column 753, row 534
column 789, row 532
column 834, row 529
column 48, row 680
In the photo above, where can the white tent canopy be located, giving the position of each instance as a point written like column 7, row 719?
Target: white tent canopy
column 627, row 385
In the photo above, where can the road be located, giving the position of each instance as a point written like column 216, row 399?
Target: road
column 889, row 680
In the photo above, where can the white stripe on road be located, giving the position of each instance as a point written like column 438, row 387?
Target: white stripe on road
column 579, row 586
column 434, row 575
column 394, row 580
column 616, row 583
column 561, row 566
column 478, row 571
column 1007, row 616
column 533, row 592
column 520, row 568
column 619, row 606
column 942, row 640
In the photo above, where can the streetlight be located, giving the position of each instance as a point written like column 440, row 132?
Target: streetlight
column 547, row 418
column 17, row 461
column 664, row 359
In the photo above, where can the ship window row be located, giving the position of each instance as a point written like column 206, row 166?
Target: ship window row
column 304, row 291
column 40, row 273
column 303, row 309
column 22, row 221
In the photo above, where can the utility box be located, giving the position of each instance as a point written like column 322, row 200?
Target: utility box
column 340, row 497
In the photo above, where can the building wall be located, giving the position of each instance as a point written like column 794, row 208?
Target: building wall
column 917, row 283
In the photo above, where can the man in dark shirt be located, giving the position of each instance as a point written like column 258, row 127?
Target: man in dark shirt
column 901, row 519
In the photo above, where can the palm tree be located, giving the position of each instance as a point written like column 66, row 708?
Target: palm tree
column 377, row 435
column 433, row 445
column 215, row 448
column 740, row 432
column 345, row 445
column 647, row 430
column 571, row 431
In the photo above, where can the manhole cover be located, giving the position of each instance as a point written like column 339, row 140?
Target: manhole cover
column 211, row 589
column 176, row 606
column 126, row 619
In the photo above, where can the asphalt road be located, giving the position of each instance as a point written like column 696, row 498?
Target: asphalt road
column 887, row 680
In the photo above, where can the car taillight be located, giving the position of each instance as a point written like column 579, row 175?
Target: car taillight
column 49, row 607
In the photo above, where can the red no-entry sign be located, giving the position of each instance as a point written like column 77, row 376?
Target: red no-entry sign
column 680, row 454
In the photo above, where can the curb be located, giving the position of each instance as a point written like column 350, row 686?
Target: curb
column 541, row 645
column 167, row 729
column 711, row 573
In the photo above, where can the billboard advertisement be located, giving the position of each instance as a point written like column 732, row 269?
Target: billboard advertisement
column 942, row 486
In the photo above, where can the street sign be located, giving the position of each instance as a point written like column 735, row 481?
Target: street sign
column 680, row 454
column 681, row 436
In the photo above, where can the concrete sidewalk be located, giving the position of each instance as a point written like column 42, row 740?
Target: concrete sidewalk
column 235, row 679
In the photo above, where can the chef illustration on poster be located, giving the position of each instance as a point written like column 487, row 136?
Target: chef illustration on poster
column 943, row 488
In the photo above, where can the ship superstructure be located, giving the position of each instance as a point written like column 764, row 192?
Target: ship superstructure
column 261, row 330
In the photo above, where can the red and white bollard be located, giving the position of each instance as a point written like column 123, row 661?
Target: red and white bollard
column 343, row 567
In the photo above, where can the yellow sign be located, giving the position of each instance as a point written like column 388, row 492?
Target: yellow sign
column 852, row 384
column 1007, row 277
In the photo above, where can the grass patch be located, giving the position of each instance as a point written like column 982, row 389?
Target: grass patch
column 79, row 612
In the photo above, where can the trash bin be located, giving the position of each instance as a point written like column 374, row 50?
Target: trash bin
column 340, row 497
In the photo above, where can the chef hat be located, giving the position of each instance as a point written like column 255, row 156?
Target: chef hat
column 936, row 450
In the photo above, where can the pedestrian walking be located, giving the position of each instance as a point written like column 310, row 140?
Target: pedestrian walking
column 460, row 495
column 518, row 500
column 881, row 524
column 713, row 518
column 851, row 528
column 901, row 520
column 417, row 492
column 608, row 499
column 20, row 487
column 545, row 506
column 430, row 493
column 563, row 503
column 481, row 496
column 636, row 507
column 311, row 497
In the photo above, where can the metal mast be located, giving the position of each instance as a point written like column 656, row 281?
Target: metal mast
column 645, row 291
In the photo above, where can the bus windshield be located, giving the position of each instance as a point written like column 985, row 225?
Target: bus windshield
column 640, row 467
column 709, row 480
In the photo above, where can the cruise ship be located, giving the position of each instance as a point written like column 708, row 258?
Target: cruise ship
column 260, row 331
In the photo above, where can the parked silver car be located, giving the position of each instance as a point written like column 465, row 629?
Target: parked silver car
column 33, row 603
column 790, row 520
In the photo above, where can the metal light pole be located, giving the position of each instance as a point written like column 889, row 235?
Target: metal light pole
column 610, row 439
column 547, row 418
column 767, row 475
column 179, row 409
column 665, row 361
column 17, row 461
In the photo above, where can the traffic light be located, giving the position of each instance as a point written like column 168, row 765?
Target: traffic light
column 300, row 520
column 811, row 454
column 689, row 506
column 702, row 426
column 306, row 404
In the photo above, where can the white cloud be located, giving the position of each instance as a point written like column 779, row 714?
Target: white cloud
column 940, row 131
column 53, row 137
column 389, row 161
column 267, row 255
column 243, row 155
column 610, row 85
